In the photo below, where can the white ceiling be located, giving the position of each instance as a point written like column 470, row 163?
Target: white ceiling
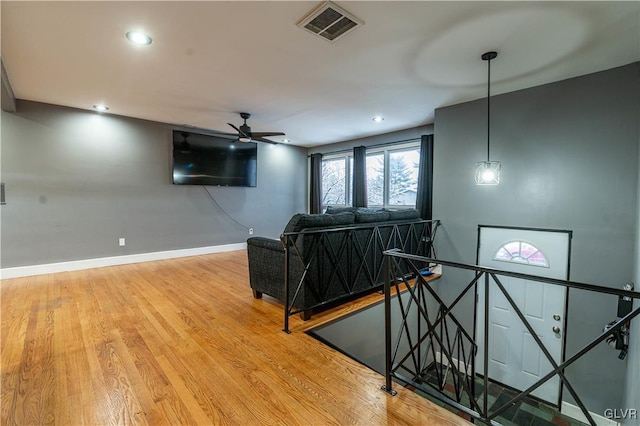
column 210, row 60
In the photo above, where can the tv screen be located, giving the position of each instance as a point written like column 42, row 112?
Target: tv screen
column 210, row 160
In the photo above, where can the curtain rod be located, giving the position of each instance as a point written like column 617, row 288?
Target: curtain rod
column 369, row 146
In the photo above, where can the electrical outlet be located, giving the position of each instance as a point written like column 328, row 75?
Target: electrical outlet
column 250, row 231
column 121, row 242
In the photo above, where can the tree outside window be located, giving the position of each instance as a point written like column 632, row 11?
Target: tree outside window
column 334, row 183
column 403, row 177
column 375, row 179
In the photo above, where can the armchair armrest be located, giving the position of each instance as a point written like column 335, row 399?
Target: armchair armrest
column 266, row 267
column 265, row 243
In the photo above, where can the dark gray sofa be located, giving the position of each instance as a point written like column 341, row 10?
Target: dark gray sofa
column 328, row 257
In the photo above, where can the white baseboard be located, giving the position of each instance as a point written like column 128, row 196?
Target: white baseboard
column 76, row 265
column 575, row 412
column 442, row 359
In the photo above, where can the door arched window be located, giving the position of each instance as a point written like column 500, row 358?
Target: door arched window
column 521, row 252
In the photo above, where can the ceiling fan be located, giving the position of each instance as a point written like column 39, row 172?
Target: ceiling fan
column 246, row 135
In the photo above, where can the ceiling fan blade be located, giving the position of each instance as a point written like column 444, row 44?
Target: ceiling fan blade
column 263, row 134
column 240, row 132
column 225, row 135
column 259, row 139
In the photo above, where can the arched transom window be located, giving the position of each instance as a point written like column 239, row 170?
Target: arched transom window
column 521, row 252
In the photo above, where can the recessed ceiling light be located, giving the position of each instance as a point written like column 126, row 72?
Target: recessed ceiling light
column 286, row 140
column 378, row 118
column 138, row 37
column 101, row 108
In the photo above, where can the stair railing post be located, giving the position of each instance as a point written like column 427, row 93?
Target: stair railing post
column 387, row 326
column 286, row 284
column 486, row 344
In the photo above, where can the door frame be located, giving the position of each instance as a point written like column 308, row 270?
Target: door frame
column 566, row 299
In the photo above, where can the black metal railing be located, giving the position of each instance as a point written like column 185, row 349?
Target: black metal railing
column 325, row 265
column 436, row 338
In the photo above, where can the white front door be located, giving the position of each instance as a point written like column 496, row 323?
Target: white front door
column 515, row 359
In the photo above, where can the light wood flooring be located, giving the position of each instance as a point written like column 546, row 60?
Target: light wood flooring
column 180, row 342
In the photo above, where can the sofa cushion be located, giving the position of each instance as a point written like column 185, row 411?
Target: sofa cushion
column 404, row 214
column 304, row 221
column 345, row 218
column 369, row 209
column 336, row 210
column 368, row 217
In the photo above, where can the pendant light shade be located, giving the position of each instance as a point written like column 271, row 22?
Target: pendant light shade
column 488, row 172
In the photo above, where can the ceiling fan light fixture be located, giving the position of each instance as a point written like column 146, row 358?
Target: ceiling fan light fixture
column 246, row 135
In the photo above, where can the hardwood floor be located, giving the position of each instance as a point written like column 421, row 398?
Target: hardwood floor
column 179, row 342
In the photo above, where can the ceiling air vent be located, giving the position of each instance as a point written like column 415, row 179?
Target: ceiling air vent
column 329, row 21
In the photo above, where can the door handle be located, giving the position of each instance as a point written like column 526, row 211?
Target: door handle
column 556, row 329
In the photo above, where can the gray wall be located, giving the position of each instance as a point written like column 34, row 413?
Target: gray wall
column 632, row 390
column 569, row 153
column 76, row 181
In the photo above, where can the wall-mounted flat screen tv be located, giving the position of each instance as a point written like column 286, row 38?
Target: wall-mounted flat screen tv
column 200, row 159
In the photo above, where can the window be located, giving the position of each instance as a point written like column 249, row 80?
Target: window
column 375, row 179
column 336, row 181
column 403, row 177
column 521, row 252
column 392, row 177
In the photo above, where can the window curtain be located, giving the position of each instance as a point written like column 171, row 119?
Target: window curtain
column 315, row 190
column 424, row 200
column 359, row 176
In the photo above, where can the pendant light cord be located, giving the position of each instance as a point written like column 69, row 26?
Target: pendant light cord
column 488, row 107
column 488, row 57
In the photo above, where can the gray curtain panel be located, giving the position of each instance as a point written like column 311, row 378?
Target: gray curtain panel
column 359, row 176
column 424, row 199
column 315, row 190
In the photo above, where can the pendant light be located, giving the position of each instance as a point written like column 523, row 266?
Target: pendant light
column 488, row 172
